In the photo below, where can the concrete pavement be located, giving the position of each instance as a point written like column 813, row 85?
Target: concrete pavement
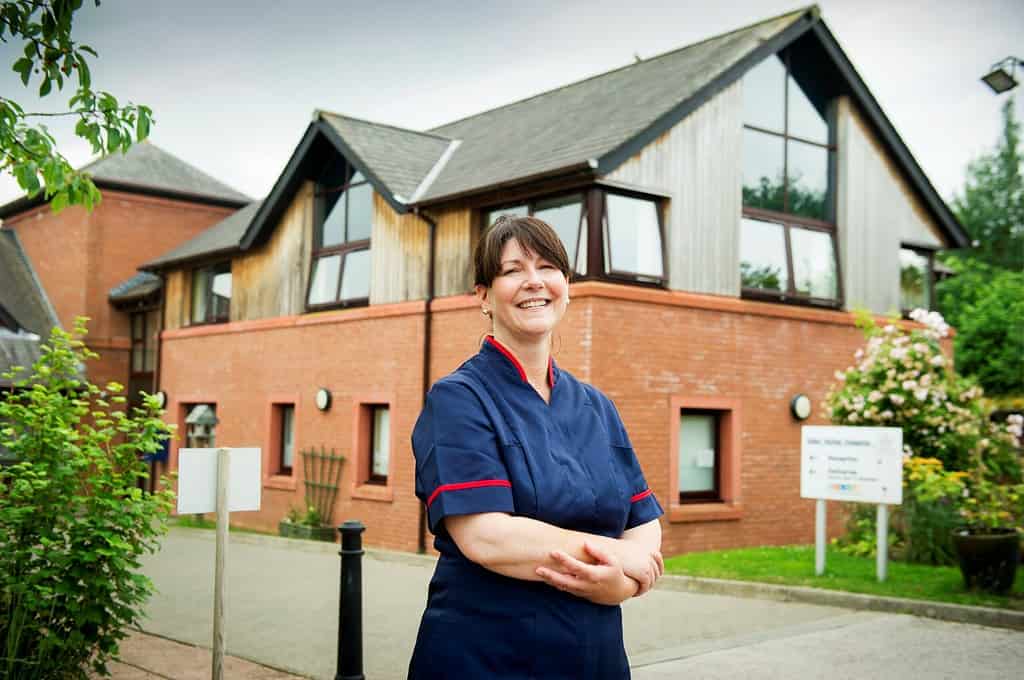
column 283, row 599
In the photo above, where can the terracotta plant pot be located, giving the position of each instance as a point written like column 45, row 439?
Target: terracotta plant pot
column 988, row 558
column 291, row 530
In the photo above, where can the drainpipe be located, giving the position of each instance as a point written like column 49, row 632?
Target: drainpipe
column 421, row 545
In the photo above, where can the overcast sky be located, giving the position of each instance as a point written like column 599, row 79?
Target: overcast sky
column 234, row 84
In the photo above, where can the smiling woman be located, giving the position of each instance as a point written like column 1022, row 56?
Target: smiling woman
column 540, row 511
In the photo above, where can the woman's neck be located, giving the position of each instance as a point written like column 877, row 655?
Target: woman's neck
column 533, row 355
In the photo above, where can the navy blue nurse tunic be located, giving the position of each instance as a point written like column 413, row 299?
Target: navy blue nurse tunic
column 487, row 442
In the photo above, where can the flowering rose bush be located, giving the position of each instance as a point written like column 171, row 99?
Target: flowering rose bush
column 903, row 379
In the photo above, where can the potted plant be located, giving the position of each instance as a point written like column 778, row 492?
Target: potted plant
column 306, row 524
column 988, row 547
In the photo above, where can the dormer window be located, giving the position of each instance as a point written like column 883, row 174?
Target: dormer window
column 787, row 241
column 343, row 219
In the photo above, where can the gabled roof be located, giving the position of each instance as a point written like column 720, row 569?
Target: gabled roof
column 147, row 169
column 21, row 294
column 26, row 315
column 136, row 288
column 591, row 126
column 223, row 237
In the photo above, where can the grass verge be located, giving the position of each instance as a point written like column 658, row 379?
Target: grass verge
column 794, row 566
column 200, row 522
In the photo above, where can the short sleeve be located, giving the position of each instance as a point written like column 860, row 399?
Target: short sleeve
column 459, row 470
column 643, row 506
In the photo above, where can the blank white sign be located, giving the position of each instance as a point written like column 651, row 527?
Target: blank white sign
column 197, row 480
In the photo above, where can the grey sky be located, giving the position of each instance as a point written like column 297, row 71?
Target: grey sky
column 233, row 84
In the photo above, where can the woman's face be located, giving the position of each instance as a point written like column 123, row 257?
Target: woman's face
column 528, row 297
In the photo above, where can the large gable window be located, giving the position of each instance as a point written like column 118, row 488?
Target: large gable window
column 340, row 273
column 211, row 294
column 606, row 234
column 787, row 243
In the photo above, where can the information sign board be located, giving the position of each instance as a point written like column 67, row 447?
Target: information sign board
column 859, row 464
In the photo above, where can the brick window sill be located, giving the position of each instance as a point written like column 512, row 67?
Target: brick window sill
column 374, row 492
column 281, row 482
column 705, row 512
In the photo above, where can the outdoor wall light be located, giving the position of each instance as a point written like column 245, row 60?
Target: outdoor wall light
column 800, row 407
column 323, row 399
column 1001, row 76
column 161, row 398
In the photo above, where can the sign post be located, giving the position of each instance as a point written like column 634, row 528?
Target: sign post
column 219, row 480
column 853, row 464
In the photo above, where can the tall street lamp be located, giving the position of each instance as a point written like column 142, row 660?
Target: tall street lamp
column 1001, row 76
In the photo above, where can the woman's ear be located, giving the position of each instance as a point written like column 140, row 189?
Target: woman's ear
column 481, row 296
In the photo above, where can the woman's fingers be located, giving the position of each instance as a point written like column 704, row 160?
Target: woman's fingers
column 558, row 580
column 602, row 556
column 661, row 562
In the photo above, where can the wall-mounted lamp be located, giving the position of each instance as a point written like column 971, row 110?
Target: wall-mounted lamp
column 800, row 407
column 1001, row 76
column 161, row 398
column 323, row 399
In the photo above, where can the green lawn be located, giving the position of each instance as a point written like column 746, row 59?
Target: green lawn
column 192, row 522
column 794, row 565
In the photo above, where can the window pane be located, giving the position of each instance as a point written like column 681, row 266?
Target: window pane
column 634, row 239
column 915, row 280
column 137, row 358
column 355, row 282
column 357, row 177
column 804, row 119
column 763, row 170
column 764, row 95
column 333, row 231
column 137, row 330
column 360, row 211
column 763, row 255
column 697, row 452
column 515, row 211
column 200, row 288
column 814, row 263
column 287, row 439
column 325, row 280
column 808, row 180
column 221, row 295
column 381, row 441
column 563, row 214
column 581, row 247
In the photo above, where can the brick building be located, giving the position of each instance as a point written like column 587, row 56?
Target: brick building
column 86, row 262
column 725, row 206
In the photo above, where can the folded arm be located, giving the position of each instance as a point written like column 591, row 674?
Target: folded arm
column 599, row 568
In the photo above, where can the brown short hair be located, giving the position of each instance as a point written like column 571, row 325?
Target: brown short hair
column 534, row 235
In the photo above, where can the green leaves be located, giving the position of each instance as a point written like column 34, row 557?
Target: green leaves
column 51, row 55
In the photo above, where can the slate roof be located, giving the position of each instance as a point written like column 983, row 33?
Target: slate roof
column 21, row 293
column 224, row 236
column 23, row 301
column 588, row 119
column 138, row 286
column 400, row 158
column 146, row 168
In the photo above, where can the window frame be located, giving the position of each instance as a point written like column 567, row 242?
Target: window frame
column 366, row 485
column 279, row 431
column 592, row 218
column 928, row 253
column 791, row 295
column 715, row 494
column 208, row 319
column 371, row 476
column 343, row 249
column 789, row 220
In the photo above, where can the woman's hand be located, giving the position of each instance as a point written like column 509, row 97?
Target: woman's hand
column 640, row 564
column 603, row 582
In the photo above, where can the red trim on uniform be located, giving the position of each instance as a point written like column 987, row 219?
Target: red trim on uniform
column 467, row 485
column 640, row 496
column 515, row 362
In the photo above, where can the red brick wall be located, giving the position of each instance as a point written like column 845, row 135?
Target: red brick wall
column 80, row 256
column 641, row 347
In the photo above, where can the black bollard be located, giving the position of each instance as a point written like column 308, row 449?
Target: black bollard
column 350, row 602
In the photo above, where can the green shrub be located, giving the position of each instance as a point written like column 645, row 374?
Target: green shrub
column 73, row 523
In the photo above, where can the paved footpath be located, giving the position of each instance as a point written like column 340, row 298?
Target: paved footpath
column 283, row 608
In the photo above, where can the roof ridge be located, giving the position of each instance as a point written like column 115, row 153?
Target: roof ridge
column 798, row 12
column 433, row 135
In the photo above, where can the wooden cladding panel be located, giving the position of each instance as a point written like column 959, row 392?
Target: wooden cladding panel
column 398, row 249
column 456, row 239
column 699, row 164
column 176, row 299
column 271, row 280
column 876, row 212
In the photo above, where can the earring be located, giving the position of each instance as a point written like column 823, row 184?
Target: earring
column 486, row 312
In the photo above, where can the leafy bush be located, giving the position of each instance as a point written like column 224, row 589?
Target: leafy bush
column 73, row 523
